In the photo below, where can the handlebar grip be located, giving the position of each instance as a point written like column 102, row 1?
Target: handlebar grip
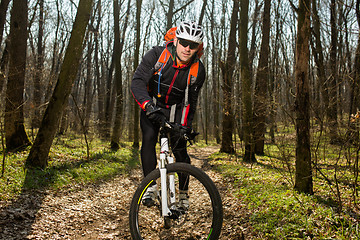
column 184, row 131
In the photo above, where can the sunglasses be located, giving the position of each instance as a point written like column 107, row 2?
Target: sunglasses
column 185, row 43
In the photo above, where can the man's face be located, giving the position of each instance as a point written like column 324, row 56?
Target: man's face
column 185, row 49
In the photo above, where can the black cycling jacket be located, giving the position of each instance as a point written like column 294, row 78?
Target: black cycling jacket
column 144, row 85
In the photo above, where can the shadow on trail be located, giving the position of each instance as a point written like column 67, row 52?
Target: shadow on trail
column 18, row 216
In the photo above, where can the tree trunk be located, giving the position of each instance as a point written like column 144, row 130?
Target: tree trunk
column 355, row 106
column 228, row 70
column 319, row 59
column 3, row 64
column 357, row 63
column 303, row 177
column 262, row 78
column 56, row 57
column 247, row 115
column 100, row 116
column 332, row 86
column 39, row 152
column 354, row 92
column 118, row 48
column 5, row 55
column 253, row 36
column 214, row 74
column 3, row 9
column 39, row 68
column 275, row 66
column 15, row 134
column 89, row 85
column 136, row 63
column 169, row 14
column 202, row 13
column 108, row 100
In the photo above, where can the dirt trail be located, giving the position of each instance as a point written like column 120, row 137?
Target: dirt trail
column 101, row 211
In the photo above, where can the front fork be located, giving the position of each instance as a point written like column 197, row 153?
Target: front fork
column 164, row 156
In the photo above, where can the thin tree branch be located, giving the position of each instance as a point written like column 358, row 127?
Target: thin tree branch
column 187, row 4
column 293, row 6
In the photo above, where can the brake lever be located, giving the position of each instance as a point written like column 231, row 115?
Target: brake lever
column 187, row 138
column 191, row 137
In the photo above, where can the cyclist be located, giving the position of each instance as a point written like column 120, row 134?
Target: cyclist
column 164, row 92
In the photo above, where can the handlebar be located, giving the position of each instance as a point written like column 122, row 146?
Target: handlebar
column 185, row 132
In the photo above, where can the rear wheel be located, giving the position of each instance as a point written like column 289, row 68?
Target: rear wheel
column 202, row 220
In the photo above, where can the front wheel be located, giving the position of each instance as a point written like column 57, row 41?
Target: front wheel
column 202, row 220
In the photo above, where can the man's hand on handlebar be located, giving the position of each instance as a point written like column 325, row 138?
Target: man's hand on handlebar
column 188, row 133
column 154, row 114
column 185, row 132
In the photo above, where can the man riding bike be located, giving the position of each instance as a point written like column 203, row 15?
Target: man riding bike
column 166, row 85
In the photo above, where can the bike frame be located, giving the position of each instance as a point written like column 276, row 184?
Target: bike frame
column 165, row 159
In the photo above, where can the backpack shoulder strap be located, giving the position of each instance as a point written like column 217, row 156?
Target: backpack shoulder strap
column 162, row 60
column 159, row 65
column 193, row 73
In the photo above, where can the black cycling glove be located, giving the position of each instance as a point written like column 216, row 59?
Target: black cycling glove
column 154, row 113
column 189, row 133
column 185, row 132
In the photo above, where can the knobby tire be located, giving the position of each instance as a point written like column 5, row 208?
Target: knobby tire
column 198, row 176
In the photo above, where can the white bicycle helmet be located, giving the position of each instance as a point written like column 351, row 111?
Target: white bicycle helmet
column 191, row 31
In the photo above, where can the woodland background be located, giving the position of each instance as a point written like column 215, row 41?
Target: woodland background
column 272, row 67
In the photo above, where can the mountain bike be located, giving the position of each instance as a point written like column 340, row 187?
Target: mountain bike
column 167, row 219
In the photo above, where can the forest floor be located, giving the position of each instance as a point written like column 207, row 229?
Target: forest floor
column 100, row 211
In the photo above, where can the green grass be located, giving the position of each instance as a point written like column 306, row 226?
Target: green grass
column 276, row 211
column 68, row 166
column 272, row 209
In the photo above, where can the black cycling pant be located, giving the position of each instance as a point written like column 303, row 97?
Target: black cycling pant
column 150, row 133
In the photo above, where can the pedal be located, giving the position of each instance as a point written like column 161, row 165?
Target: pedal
column 176, row 213
column 148, row 202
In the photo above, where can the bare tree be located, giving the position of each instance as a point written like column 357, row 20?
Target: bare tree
column 3, row 64
column 100, row 116
column 357, row 60
column 319, row 59
column 227, row 71
column 169, row 15
column 172, row 11
column 246, row 81
column 202, row 13
column 5, row 55
column 261, row 85
column 3, row 9
column 14, row 114
column 214, row 77
column 136, row 63
column 303, row 177
column 39, row 152
column 39, row 68
column 108, row 98
column 118, row 49
column 252, row 50
column 332, row 86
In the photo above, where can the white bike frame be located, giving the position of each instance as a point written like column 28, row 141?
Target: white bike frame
column 165, row 158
